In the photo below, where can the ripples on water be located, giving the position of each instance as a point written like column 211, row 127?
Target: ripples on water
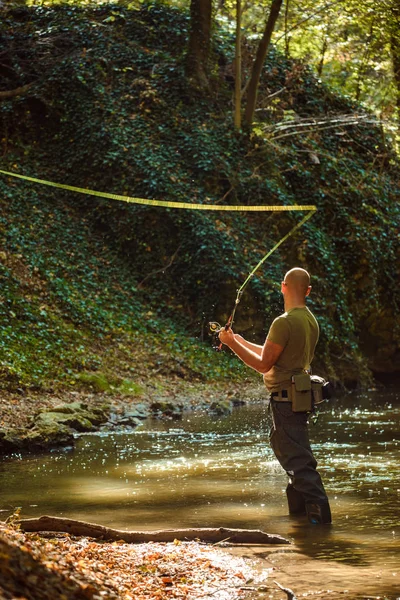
column 221, row 472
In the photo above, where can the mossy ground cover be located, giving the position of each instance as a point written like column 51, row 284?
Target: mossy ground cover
column 125, row 291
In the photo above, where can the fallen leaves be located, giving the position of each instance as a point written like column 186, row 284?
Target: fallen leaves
column 187, row 570
column 151, row 571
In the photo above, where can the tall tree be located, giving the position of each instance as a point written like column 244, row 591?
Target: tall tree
column 395, row 49
column 259, row 61
column 197, row 59
column 238, row 66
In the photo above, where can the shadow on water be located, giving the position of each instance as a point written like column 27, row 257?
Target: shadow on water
column 324, row 543
column 205, row 472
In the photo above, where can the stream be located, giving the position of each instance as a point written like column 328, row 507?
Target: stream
column 210, row 472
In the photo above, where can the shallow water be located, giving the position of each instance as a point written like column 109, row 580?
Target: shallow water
column 206, row 472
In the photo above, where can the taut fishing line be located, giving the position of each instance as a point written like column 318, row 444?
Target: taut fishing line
column 214, row 326
column 161, row 203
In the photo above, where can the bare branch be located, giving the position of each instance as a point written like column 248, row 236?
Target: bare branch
column 278, row 137
column 16, row 92
column 227, row 193
column 272, row 96
column 140, row 285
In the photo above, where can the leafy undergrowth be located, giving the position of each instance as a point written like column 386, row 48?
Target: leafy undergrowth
column 71, row 568
column 71, row 315
column 124, row 290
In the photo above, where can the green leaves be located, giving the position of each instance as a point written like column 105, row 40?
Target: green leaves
column 114, row 112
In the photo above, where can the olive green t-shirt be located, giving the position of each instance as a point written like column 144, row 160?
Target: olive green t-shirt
column 297, row 331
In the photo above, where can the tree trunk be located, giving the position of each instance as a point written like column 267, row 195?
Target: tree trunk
column 82, row 528
column 323, row 51
column 395, row 51
column 286, row 33
column 259, row 62
column 238, row 66
column 199, row 42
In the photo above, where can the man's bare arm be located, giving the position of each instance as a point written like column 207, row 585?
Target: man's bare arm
column 257, row 348
column 259, row 362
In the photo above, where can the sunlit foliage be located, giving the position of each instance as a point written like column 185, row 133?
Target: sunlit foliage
column 109, row 108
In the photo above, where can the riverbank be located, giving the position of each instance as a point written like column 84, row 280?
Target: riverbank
column 40, row 421
column 72, row 568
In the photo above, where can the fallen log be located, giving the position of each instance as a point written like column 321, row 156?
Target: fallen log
column 210, row 535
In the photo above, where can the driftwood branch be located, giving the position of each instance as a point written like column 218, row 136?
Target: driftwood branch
column 82, row 528
column 290, row 594
column 15, row 92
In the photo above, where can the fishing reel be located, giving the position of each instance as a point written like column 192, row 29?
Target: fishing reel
column 214, row 329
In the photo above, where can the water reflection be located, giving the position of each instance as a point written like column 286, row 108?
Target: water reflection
column 221, row 472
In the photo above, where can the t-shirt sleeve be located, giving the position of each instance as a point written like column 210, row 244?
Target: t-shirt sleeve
column 279, row 331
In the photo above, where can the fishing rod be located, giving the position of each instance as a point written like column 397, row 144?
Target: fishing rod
column 214, row 326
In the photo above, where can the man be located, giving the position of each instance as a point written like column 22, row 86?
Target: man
column 287, row 352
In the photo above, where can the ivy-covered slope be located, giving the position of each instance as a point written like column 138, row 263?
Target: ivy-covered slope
column 94, row 285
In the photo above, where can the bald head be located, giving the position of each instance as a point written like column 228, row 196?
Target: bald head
column 298, row 282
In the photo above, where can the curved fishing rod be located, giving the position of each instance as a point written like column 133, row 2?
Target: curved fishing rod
column 216, row 327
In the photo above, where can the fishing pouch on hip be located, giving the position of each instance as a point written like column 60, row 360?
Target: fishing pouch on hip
column 320, row 388
column 301, row 393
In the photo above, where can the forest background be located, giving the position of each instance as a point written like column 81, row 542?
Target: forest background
column 204, row 102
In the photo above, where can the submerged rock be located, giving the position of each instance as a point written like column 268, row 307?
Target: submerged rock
column 166, row 409
column 37, row 439
column 53, row 428
column 77, row 421
column 221, row 407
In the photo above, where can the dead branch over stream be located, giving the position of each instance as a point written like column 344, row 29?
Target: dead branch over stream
column 210, row 535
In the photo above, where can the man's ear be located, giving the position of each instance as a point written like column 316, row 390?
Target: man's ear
column 308, row 290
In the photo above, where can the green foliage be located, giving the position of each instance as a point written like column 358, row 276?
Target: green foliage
column 83, row 278
column 348, row 43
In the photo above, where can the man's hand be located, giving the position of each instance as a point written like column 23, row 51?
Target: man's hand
column 226, row 336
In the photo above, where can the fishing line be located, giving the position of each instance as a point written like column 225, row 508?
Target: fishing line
column 214, row 326
column 161, row 203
